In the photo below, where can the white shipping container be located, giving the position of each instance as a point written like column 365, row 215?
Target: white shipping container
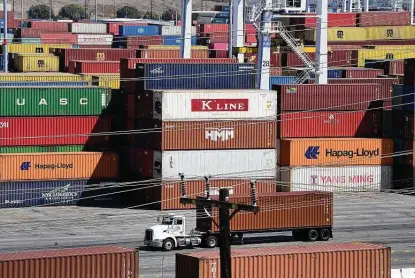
column 88, row 28
column 217, row 163
column 205, row 105
column 94, row 39
column 9, row 7
column 336, row 179
column 174, row 30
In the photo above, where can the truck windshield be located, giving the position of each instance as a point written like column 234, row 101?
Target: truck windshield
column 167, row 221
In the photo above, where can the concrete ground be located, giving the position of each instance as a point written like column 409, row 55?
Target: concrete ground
column 371, row 217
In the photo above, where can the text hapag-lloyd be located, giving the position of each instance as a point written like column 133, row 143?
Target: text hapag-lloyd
column 54, row 166
column 350, row 154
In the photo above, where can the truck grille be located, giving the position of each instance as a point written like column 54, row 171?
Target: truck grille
column 149, row 234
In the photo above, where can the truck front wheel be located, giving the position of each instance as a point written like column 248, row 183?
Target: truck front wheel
column 168, row 244
column 211, row 241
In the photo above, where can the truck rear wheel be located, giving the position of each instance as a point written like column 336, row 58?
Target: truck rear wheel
column 324, row 234
column 211, row 241
column 168, row 244
column 312, row 235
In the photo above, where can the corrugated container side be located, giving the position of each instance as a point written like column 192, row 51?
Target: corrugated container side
column 88, row 28
column 34, row 48
column 328, row 97
column 330, row 124
column 409, row 72
column 336, row 179
column 367, row 19
column 49, row 26
column 84, row 262
column 40, row 77
column 49, row 130
column 113, row 27
column 42, row 149
column 335, row 151
column 381, row 54
column 107, row 81
column 207, row 135
column 94, row 67
column 212, row 28
column 174, row 30
column 339, row 34
column 167, row 196
column 394, row 67
column 308, row 261
column 47, row 166
column 171, row 54
column 361, row 73
column 38, row 63
column 59, row 38
column 302, row 210
column 29, row 33
column 139, row 30
column 390, row 33
column 334, row 20
column 95, row 39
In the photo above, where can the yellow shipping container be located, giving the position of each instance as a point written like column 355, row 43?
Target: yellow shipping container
column 390, row 32
column 106, row 80
column 312, row 49
column 372, row 54
column 42, row 63
column 40, row 76
column 339, row 34
column 34, row 48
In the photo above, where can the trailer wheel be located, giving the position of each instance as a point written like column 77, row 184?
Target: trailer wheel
column 211, row 241
column 324, row 234
column 312, row 235
column 168, row 244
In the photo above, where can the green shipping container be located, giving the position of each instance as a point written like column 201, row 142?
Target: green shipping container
column 42, row 149
column 56, row 101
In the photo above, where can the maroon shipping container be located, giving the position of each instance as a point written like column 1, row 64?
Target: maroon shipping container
column 58, row 38
column 114, row 27
column 91, row 262
column 218, row 38
column 336, row 58
column 395, row 67
column 332, row 97
column 29, row 33
column 167, row 196
column 362, row 73
column 99, row 54
column 330, row 124
column 136, row 42
column 10, row 15
column 367, row 19
column 279, row 211
column 336, row 260
column 52, row 131
column 49, row 26
column 94, row 67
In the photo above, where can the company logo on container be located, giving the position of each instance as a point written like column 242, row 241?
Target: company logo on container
column 25, row 166
column 62, row 193
column 314, row 180
column 312, row 152
column 225, row 105
column 140, row 30
column 214, row 134
column 157, row 70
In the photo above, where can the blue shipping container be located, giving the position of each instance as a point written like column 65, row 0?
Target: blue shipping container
column 28, row 40
column 176, row 40
column 331, row 73
column 403, row 97
column 281, row 80
column 196, row 76
column 225, row 9
column 43, row 84
column 53, row 193
column 139, row 30
column 222, row 15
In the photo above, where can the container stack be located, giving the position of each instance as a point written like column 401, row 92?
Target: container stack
column 332, row 138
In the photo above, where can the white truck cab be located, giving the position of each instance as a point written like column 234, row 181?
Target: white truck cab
column 169, row 233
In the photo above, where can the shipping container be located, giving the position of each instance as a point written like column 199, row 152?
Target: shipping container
column 382, row 54
column 177, row 40
column 335, row 151
column 26, row 131
column 218, row 163
column 331, row 73
column 389, row 18
column 281, row 80
column 361, row 73
column 206, row 105
column 44, row 84
column 393, row 67
column 47, row 166
column 91, row 262
column 28, row 33
column 24, row 40
column 42, row 149
column 95, row 39
column 207, row 135
column 53, row 101
column 175, row 30
column 113, row 27
column 34, row 62
column 338, row 260
column 88, row 28
column 49, row 26
column 328, row 97
column 33, row 48
column 137, row 41
column 336, row 179
column 390, row 33
column 56, row 193
column 211, row 28
column 195, row 76
column 409, row 72
column 401, row 124
column 67, row 37
column 403, row 97
column 289, row 211
column 94, row 67
column 336, row 58
column 139, row 30
column 171, row 53
column 330, row 124
column 339, row 34
column 40, row 77
column 405, row 149
column 106, row 80
column 334, row 20
column 167, row 195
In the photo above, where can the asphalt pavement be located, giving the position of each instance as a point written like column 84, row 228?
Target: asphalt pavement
column 385, row 218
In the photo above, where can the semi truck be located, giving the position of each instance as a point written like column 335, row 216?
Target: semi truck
column 308, row 215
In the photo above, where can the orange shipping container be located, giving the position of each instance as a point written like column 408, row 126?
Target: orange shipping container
column 336, row 151
column 206, row 135
column 334, row 260
column 167, row 196
column 48, row 166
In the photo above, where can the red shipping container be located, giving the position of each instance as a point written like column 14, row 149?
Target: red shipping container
column 29, row 33
column 362, row 73
column 385, row 90
column 219, row 54
column 212, row 28
column 136, row 42
column 42, row 129
column 367, row 19
column 330, row 124
column 114, row 27
column 10, row 15
column 50, row 26
column 58, row 38
column 95, row 67
column 218, row 46
column 250, row 38
column 334, row 20
column 89, row 54
column 218, row 38
column 331, row 97
column 250, row 29
column 395, row 67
